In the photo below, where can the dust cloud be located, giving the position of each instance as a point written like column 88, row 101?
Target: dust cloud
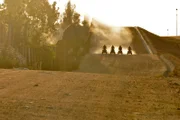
column 107, row 35
column 102, row 35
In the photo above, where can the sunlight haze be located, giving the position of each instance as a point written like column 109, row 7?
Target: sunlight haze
column 154, row 15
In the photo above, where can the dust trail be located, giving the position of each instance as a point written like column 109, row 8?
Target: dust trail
column 106, row 35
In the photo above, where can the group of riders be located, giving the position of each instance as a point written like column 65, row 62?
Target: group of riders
column 104, row 51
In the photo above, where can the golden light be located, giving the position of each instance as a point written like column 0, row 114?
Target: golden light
column 129, row 13
column 124, row 50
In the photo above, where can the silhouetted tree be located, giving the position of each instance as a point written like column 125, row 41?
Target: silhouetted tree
column 29, row 22
column 68, row 14
column 43, row 18
column 76, row 18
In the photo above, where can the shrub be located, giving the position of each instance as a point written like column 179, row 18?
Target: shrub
column 7, row 60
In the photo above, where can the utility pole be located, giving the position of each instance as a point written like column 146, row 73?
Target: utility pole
column 167, row 32
column 176, row 22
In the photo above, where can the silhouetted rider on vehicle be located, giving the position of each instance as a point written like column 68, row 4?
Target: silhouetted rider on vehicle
column 120, row 50
column 129, row 50
column 104, row 51
column 112, row 50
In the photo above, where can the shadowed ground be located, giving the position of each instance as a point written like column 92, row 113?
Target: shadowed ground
column 123, row 64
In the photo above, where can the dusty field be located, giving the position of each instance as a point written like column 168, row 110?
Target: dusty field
column 43, row 95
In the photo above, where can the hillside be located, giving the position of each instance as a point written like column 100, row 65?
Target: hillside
column 169, row 47
column 163, row 45
column 136, row 65
column 172, row 38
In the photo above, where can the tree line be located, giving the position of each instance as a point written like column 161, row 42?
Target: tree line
column 25, row 26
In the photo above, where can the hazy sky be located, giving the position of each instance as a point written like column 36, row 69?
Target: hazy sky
column 154, row 15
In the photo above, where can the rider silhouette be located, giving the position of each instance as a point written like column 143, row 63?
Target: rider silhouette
column 129, row 50
column 112, row 50
column 104, row 51
column 120, row 50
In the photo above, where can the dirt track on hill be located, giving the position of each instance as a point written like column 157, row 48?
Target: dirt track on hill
column 43, row 95
column 141, row 63
column 163, row 45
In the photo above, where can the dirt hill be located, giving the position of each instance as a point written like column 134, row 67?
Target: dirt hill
column 144, row 64
column 169, row 47
column 163, row 45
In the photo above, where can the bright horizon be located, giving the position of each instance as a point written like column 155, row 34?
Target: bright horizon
column 154, row 15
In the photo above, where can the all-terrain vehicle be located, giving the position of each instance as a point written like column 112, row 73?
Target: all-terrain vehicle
column 112, row 50
column 129, row 51
column 104, row 51
column 120, row 50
